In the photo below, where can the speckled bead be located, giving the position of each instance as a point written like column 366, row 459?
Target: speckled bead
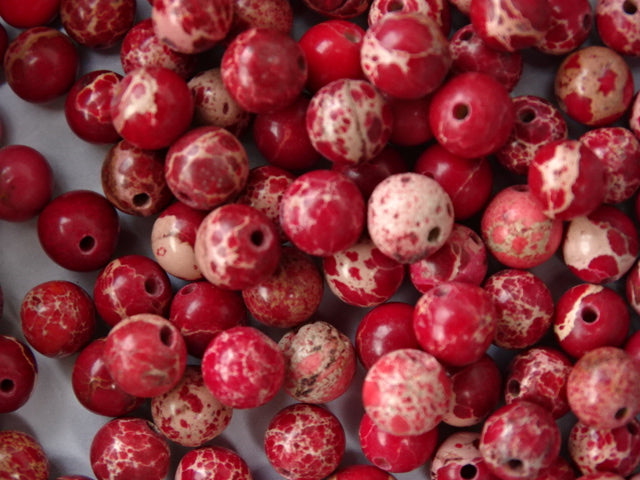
column 349, row 121
column 570, row 26
column 615, row 450
column 98, row 24
column 216, row 461
column 320, row 362
column 406, row 392
column 361, row 472
column 437, row 10
column 409, row 216
column 617, row 25
column 189, row 414
column 361, row 275
column 237, row 246
column 594, row 85
column 516, row 230
column 405, row 55
column 190, row 26
column 275, row 14
column 524, row 307
column 458, row 458
column 22, row 457
column 602, row 246
column 304, row 441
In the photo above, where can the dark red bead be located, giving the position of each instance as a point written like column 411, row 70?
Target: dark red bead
column 18, row 373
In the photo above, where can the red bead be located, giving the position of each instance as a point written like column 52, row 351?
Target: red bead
column 215, row 461
column 361, row 472
column 93, row 385
column 22, row 457
column 632, row 287
column 152, row 107
column 561, row 469
column 19, row 14
column 616, row 22
column 471, row 115
column 18, row 373
column 320, row 362
column 201, row 310
column 338, row 9
column 410, row 121
column 26, row 183
column 304, row 441
column 437, row 10
column 632, row 345
column 264, row 70
column 98, row 24
column 571, row 22
column 79, row 230
column 395, row 453
column 41, row 64
column 274, row 14
column 332, row 49
column 126, row 448
column 458, row 458
column 243, row 367
column 145, row 354
column 58, row 318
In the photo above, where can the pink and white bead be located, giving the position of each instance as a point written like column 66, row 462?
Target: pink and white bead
column 409, row 216
column 438, row 10
column 189, row 414
column 349, row 121
column 458, row 458
column 406, row 392
column 274, row 14
column 616, row 22
column 570, row 26
column 212, row 461
column 320, row 362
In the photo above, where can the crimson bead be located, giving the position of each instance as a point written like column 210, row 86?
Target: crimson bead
column 79, row 230
column 19, row 14
column 216, row 461
column 410, row 121
column 145, row 354
column 97, row 24
column 304, row 441
column 632, row 345
column 437, row 10
column 616, row 22
column 361, row 472
column 338, row 9
column 26, row 183
column 18, row 373
column 632, row 287
column 561, row 469
column 571, row 22
column 274, row 14
column 22, row 457
column 126, row 448
column 458, row 458
column 58, row 318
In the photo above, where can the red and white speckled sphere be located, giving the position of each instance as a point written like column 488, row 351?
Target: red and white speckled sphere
column 322, row 212
column 304, row 442
column 524, row 307
column 237, row 246
column 409, row 216
column 539, row 375
column 405, row 55
column 594, row 85
column 212, row 462
column 617, row 25
column 361, row 275
column 615, row 450
column 349, row 121
column 406, row 392
column 189, row 414
column 519, row 440
column 126, row 448
column 22, row 457
column 458, row 458
column 516, row 230
column 191, row 26
column 320, row 362
column 243, row 367
column 570, row 25
column 602, row 246
column 98, row 24
column 437, row 10
column 275, row 14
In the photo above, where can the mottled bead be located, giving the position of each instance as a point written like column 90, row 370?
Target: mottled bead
column 458, row 458
column 571, row 22
column 22, row 457
column 617, row 25
column 98, row 24
column 274, row 14
column 438, row 10
column 212, row 462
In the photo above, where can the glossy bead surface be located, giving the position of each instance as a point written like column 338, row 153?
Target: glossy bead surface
column 58, row 318
column 274, row 14
column 20, row 15
column 406, row 392
column 361, row 472
column 594, row 85
column 410, row 121
column 145, row 354
column 458, row 458
column 349, row 121
column 571, row 22
column 320, row 362
column 18, row 373
column 98, row 24
column 616, row 22
column 243, row 367
column 189, row 414
column 409, row 216
column 304, row 441
column 215, row 461
column 437, row 10
column 22, row 456
column 237, row 246
column 129, row 285
column 516, row 231
column 206, row 167
column 128, row 447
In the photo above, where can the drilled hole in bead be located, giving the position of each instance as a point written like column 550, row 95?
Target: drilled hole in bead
column 141, row 199
column 514, row 388
column 166, row 336
column 515, row 464
column 87, row 243
column 466, row 36
column 621, row 413
column 468, row 471
column 7, row 385
column 527, row 115
column 395, row 6
column 589, row 315
column 152, row 286
column 434, row 234
column 629, row 7
column 257, row 238
column 460, row 111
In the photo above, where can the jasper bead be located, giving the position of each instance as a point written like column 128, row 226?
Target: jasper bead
column 189, row 414
column 338, row 9
column 274, row 14
column 206, row 167
column 458, row 458
column 320, row 362
column 18, row 373
column 216, row 461
column 594, row 85
column 322, row 212
column 406, row 392
column 126, row 448
column 616, row 22
column 129, row 285
column 437, row 10
column 516, row 231
column 237, row 246
column 37, row 13
column 409, row 216
column 410, row 121
column 97, row 24
column 22, row 457
column 304, row 441
column 349, row 121
column 571, row 23
column 361, row 472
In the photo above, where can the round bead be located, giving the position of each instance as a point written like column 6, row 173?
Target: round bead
column 18, row 373
column 361, row 472
column 20, row 15
column 97, row 24
column 22, row 457
column 275, row 14
column 616, row 22
column 340, row 9
column 437, row 10
column 216, row 461
column 458, row 458
column 571, row 22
